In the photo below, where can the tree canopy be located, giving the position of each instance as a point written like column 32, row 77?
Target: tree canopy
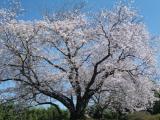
column 71, row 57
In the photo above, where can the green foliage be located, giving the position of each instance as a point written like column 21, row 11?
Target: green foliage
column 98, row 113
column 46, row 114
column 156, row 107
column 110, row 115
column 143, row 116
column 10, row 112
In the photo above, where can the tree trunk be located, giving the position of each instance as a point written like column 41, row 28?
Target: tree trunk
column 77, row 115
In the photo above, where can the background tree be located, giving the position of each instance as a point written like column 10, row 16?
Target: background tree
column 124, row 96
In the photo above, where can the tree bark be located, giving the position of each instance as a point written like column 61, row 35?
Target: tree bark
column 77, row 115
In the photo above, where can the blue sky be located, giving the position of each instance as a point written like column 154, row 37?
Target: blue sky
column 149, row 9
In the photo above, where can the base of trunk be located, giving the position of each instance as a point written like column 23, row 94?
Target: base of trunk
column 75, row 116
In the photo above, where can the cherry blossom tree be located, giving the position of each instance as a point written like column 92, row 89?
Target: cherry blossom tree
column 125, row 96
column 10, row 12
column 70, row 58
